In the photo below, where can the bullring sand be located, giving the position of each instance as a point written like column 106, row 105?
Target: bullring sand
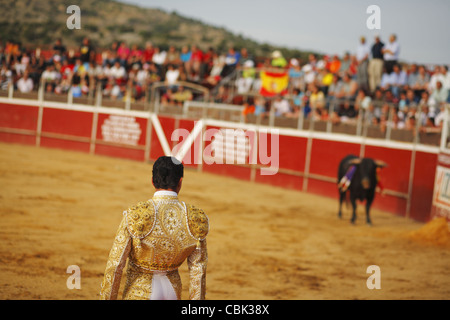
column 60, row 208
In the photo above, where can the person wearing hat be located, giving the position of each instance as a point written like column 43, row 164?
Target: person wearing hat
column 157, row 236
column 278, row 61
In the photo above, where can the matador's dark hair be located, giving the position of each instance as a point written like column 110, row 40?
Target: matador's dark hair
column 167, row 172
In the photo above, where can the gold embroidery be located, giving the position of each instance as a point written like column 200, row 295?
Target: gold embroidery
column 159, row 235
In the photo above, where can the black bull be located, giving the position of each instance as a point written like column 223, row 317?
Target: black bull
column 363, row 182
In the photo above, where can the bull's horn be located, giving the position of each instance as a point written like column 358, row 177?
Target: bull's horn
column 355, row 161
column 380, row 163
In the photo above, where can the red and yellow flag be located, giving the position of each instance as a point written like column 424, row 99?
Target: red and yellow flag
column 273, row 83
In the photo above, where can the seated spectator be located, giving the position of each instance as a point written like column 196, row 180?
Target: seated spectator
column 412, row 75
column 316, row 97
column 172, row 75
column 421, row 82
column 345, row 64
column 446, row 83
column 335, row 65
column 437, row 76
column 50, row 76
column 398, row 80
column 249, row 108
column 362, row 101
column 222, row 95
column 118, row 73
column 172, row 57
column 310, row 74
column 25, row 84
column 346, row 112
column 112, row 90
column 135, row 55
column 76, row 87
column 181, row 95
column 349, row 88
column 185, row 55
column 59, row 50
column 215, row 74
column 6, row 76
column 438, row 97
column 260, row 107
column 167, row 97
column 281, row 106
column 334, row 89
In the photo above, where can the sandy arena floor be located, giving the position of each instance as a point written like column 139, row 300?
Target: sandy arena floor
column 60, row 208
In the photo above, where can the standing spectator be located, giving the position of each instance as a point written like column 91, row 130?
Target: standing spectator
column 87, row 53
column 123, row 53
column 231, row 60
column 59, row 50
column 158, row 59
column 246, row 77
column 345, row 64
column 196, row 63
column 295, row 74
column 278, row 61
column 147, row 54
column 391, row 53
column 172, row 75
column 25, row 84
column 362, row 57
column 375, row 70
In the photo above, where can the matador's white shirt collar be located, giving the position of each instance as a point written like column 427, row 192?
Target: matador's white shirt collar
column 165, row 193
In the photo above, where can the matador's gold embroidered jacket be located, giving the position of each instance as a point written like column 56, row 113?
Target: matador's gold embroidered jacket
column 158, row 235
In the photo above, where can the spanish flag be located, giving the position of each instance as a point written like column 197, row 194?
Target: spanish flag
column 273, row 83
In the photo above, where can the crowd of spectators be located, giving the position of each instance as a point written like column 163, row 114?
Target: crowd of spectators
column 372, row 83
column 330, row 87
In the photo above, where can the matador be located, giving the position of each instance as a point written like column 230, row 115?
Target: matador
column 156, row 237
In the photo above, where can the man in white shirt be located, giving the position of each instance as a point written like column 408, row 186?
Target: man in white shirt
column 172, row 75
column 281, row 106
column 25, row 84
column 391, row 53
column 118, row 71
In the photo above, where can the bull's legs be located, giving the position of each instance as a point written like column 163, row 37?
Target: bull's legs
column 368, row 204
column 353, row 201
column 341, row 199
